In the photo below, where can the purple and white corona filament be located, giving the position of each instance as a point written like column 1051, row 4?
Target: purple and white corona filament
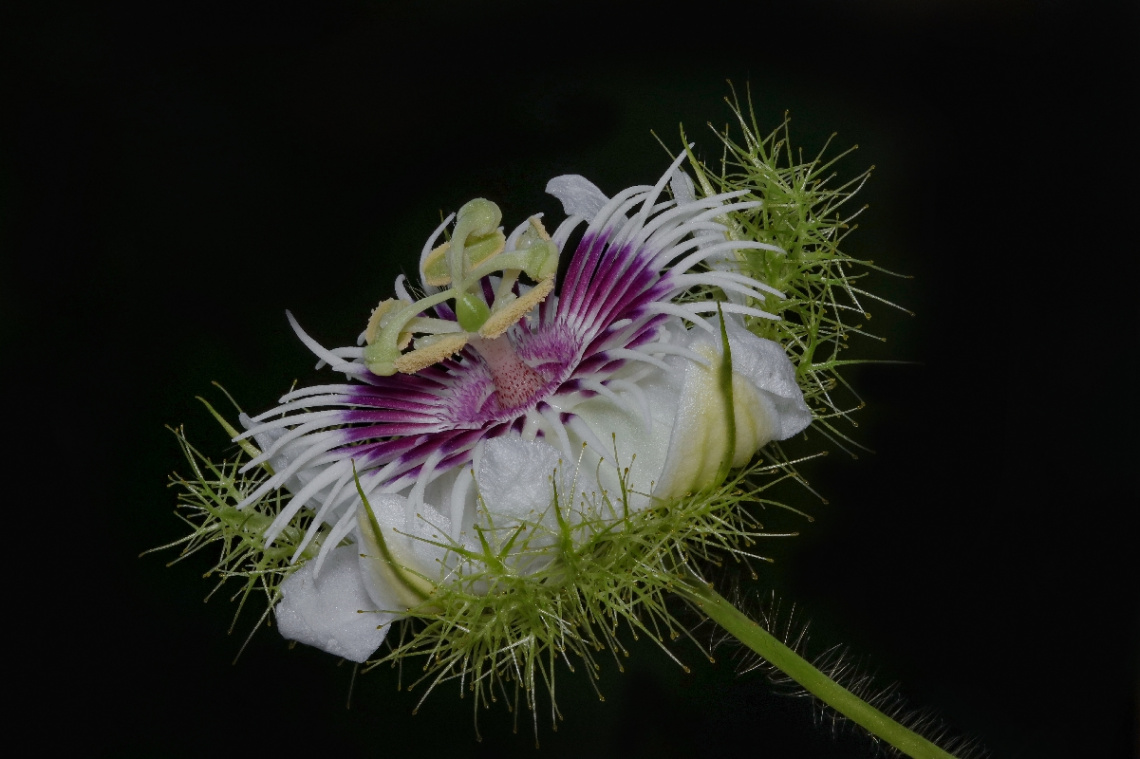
column 467, row 405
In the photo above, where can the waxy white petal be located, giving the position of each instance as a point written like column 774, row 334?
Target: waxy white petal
column 332, row 611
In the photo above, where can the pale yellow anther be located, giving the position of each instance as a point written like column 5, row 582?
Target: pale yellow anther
column 375, row 323
column 431, row 350
column 503, row 316
column 537, row 224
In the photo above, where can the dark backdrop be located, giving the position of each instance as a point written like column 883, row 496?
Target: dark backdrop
column 175, row 175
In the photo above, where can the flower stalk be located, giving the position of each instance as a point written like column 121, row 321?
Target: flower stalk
column 779, row 655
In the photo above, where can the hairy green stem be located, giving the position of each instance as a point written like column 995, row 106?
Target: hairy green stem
column 748, row 632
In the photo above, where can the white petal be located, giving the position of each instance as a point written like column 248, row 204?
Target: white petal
column 516, row 482
column 416, row 537
column 579, row 196
column 766, row 367
column 767, row 406
column 642, row 444
column 332, row 611
column 515, row 478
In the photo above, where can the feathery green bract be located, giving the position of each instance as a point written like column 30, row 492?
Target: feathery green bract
column 500, row 632
column 207, row 502
column 805, row 211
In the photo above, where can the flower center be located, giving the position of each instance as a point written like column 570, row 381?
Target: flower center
column 516, row 384
column 464, row 267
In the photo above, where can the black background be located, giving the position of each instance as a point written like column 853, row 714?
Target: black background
column 174, row 176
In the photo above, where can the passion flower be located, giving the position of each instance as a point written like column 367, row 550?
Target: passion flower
column 469, row 400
